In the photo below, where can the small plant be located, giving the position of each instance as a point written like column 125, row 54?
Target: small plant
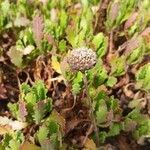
column 33, row 105
column 83, row 59
column 63, row 105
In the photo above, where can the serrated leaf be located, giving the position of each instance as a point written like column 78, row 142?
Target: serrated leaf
column 111, row 81
column 129, row 125
column 97, row 75
column 101, row 112
column 118, row 11
column 40, row 90
column 62, row 45
column 115, row 129
column 118, row 66
column 136, row 55
column 13, row 141
column 77, row 83
column 102, row 136
column 14, row 109
column 113, row 104
column 15, row 56
column 42, row 134
column 41, row 109
column 63, row 19
column 30, row 99
column 143, row 77
column 100, row 43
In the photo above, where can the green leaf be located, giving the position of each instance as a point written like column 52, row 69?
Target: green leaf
column 42, row 134
column 76, row 88
column 15, row 56
column 5, row 7
column 136, row 55
column 111, row 81
column 71, row 36
column 41, row 109
column 100, row 42
column 115, row 129
column 118, row 66
column 25, row 88
column 62, row 45
column 63, row 19
column 13, row 141
column 52, row 126
column 136, row 115
column 14, row 109
column 97, row 75
column 77, row 83
column 143, row 129
column 102, row 136
column 129, row 125
column 113, row 104
column 101, row 112
column 143, row 77
column 40, row 90
column 30, row 98
column 119, row 11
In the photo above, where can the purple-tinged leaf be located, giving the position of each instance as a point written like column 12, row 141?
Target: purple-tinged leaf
column 131, row 20
column 22, row 110
column 38, row 29
column 114, row 11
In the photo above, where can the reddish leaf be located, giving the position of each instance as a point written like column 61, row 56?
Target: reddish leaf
column 22, row 110
column 38, row 29
column 146, row 32
column 131, row 20
column 114, row 11
column 132, row 44
column 2, row 91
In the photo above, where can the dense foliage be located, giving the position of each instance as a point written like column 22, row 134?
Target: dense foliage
column 46, row 100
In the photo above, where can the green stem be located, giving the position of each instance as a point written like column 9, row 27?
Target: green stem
column 96, row 130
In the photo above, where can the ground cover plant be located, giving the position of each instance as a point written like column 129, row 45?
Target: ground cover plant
column 74, row 74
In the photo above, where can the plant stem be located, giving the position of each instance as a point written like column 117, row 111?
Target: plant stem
column 96, row 130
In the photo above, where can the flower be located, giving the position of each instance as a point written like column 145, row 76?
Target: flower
column 81, row 59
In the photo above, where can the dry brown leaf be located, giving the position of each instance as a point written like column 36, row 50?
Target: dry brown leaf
column 89, row 145
column 5, row 129
column 56, row 65
column 14, row 125
column 28, row 146
column 2, row 91
column 28, row 49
